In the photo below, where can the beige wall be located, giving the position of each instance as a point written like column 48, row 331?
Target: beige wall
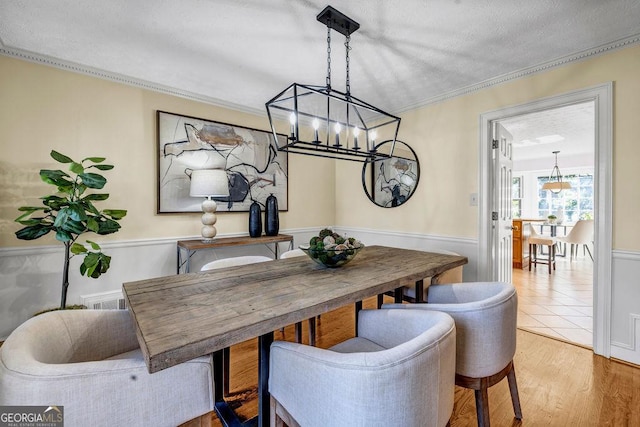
column 446, row 138
column 44, row 108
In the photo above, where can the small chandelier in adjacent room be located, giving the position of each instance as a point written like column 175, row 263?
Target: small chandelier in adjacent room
column 555, row 183
column 325, row 122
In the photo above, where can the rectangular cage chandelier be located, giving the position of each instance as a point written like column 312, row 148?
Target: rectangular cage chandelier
column 325, row 122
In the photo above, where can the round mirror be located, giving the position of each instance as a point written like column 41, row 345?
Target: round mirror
column 390, row 182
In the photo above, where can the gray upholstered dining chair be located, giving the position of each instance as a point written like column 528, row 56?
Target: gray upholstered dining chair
column 398, row 370
column 485, row 314
column 89, row 362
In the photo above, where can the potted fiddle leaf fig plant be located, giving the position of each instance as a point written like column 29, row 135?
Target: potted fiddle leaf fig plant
column 70, row 213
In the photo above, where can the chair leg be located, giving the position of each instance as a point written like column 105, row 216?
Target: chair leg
column 550, row 255
column 298, row 332
column 312, row 331
column 589, row 251
column 482, row 407
column 531, row 256
column 513, row 389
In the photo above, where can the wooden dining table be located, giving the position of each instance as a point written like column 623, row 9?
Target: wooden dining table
column 181, row 317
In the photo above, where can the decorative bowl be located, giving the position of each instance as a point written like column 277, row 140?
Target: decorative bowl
column 331, row 258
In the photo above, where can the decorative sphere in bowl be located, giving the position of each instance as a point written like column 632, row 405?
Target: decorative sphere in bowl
column 333, row 257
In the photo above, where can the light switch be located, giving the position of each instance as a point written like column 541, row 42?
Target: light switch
column 473, row 199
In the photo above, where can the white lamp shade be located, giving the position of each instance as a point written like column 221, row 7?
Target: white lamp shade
column 209, row 183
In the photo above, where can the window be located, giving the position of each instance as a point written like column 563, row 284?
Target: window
column 516, row 197
column 570, row 205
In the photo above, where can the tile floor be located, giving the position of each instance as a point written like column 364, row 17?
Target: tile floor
column 559, row 305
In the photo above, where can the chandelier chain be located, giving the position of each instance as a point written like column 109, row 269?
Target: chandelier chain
column 347, row 49
column 329, row 54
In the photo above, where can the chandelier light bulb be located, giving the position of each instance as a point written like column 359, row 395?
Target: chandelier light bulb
column 337, row 128
column 316, row 125
column 292, row 120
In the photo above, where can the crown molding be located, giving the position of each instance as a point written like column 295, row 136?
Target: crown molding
column 123, row 79
column 525, row 72
column 143, row 84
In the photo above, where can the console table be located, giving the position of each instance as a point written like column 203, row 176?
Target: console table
column 191, row 246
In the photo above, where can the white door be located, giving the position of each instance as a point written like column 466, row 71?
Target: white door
column 502, row 217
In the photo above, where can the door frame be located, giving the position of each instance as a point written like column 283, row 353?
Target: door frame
column 602, row 96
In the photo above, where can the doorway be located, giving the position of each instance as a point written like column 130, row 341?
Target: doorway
column 558, row 305
column 489, row 260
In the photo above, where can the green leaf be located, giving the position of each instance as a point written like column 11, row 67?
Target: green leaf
column 94, row 245
column 102, row 167
column 115, row 214
column 30, row 209
column 96, row 196
column 55, row 177
column 33, row 232
column 27, row 212
column 108, row 226
column 90, row 263
column 93, row 180
column 76, row 168
column 54, row 202
column 92, row 225
column 94, row 159
column 32, row 221
column 76, row 212
column 77, row 249
column 63, row 236
column 61, row 158
column 74, row 227
column 62, row 218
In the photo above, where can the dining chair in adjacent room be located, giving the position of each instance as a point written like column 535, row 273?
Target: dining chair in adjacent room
column 536, row 240
column 398, row 371
column 582, row 233
column 485, row 314
column 90, row 363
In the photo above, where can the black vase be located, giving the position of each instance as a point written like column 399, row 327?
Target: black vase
column 271, row 221
column 255, row 220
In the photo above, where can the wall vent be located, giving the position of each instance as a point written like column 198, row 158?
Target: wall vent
column 104, row 301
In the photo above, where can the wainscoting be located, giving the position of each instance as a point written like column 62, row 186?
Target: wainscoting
column 31, row 277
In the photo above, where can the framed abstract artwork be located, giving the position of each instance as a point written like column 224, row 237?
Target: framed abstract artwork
column 255, row 168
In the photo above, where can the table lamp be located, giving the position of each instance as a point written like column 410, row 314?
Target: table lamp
column 209, row 183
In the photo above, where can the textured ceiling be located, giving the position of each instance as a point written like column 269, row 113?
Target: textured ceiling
column 242, row 52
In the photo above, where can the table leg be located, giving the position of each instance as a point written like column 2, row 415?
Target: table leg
column 397, row 296
column 358, row 308
column 264, row 410
column 420, row 291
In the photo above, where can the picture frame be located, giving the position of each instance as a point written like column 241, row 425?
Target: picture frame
column 255, row 168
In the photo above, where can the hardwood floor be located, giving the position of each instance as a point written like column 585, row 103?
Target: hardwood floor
column 560, row 384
